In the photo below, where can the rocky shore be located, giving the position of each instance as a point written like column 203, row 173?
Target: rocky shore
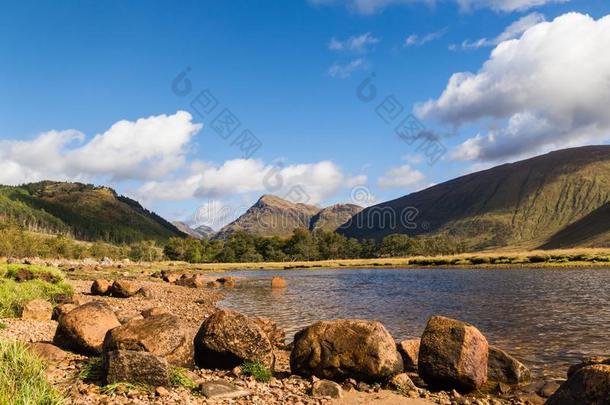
column 158, row 337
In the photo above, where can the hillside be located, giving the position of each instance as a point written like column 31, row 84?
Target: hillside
column 527, row 203
column 82, row 211
column 274, row 216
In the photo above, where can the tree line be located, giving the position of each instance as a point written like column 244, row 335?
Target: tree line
column 304, row 245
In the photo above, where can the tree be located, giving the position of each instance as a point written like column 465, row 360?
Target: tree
column 396, row 245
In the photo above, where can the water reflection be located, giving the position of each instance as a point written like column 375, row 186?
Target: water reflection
column 547, row 318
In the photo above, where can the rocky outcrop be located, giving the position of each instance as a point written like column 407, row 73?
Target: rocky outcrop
column 101, row 287
column 123, row 289
column 136, row 367
column 409, row 350
column 589, row 385
column 453, row 354
column 503, row 367
column 163, row 335
column 343, row 349
column 227, row 339
column 83, row 329
column 37, row 309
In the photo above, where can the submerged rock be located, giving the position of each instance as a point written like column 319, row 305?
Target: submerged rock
column 227, row 339
column 341, row 349
column 453, row 354
column 162, row 335
column 82, row 330
column 589, row 385
column 278, row 282
column 503, row 367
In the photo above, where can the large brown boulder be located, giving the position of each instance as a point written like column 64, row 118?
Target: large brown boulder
column 453, row 354
column 123, row 289
column 589, row 385
column 409, row 350
column 341, row 349
column 162, row 335
column 82, row 330
column 503, row 367
column 227, row 338
column 136, row 367
column 100, row 287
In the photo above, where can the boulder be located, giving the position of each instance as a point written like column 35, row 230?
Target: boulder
column 590, row 385
column 162, row 335
column 101, row 287
column 453, row 354
column 588, row 361
column 154, row 311
column 222, row 390
column 325, row 388
column 47, row 352
column 62, row 309
column 136, row 367
column 171, row 277
column 502, row 367
column 123, row 289
column 278, row 282
column 146, row 292
column 39, row 310
column 276, row 335
column 228, row 281
column 82, row 330
column 409, row 350
column 341, row 349
column 195, row 281
column 227, row 339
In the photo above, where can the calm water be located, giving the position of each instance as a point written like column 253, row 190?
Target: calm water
column 546, row 318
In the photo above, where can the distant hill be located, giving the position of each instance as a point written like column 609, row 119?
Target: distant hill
column 199, row 232
column 552, row 200
column 82, row 211
column 274, row 216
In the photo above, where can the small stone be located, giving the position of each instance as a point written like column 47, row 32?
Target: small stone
column 154, row 311
column 402, row 382
column 161, row 392
column 39, row 310
column 146, row 292
column 326, row 388
column 221, row 389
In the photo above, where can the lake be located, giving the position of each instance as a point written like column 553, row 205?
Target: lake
column 548, row 318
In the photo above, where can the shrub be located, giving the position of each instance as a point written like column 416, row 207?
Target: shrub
column 93, row 370
column 22, row 377
column 257, row 370
column 179, row 378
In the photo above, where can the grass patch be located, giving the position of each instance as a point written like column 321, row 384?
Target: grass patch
column 14, row 294
column 179, row 378
column 257, row 370
column 93, row 370
column 22, row 377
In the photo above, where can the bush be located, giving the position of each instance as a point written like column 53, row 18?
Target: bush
column 179, row 378
column 22, row 377
column 257, row 370
column 93, row 370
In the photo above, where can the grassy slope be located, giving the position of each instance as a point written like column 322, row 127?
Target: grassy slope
column 522, row 204
column 86, row 212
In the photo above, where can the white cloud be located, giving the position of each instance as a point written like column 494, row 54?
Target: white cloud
column 401, row 176
column 345, row 71
column 359, row 44
column 515, row 30
column 416, row 40
column 368, row 7
column 146, row 148
column 548, row 89
column 319, row 181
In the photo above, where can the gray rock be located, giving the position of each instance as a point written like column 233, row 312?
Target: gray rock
column 503, row 367
column 325, row 388
column 137, row 368
column 222, row 390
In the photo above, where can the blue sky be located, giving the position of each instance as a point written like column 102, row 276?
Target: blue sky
column 87, row 94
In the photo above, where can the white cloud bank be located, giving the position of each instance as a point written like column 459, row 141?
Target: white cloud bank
column 400, row 177
column 368, row 7
column 548, row 89
column 146, row 148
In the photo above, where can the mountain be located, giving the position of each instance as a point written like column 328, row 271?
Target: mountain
column 82, row 211
column 557, row 199
column 330, row 218
column 200, row 232
column 274, row 216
